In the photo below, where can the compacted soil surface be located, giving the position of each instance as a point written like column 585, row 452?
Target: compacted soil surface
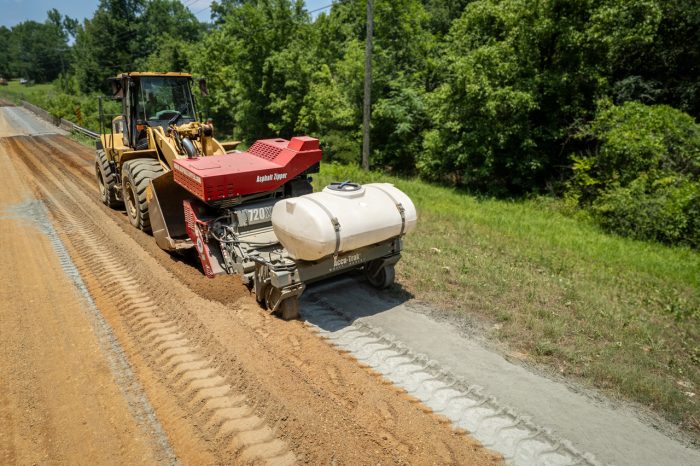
column 115, row 352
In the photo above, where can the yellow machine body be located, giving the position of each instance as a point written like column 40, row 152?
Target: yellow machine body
column 136, row 150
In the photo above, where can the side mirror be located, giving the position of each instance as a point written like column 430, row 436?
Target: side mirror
column 203, row 87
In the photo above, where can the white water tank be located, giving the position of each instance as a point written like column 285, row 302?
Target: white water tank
column 341, row 218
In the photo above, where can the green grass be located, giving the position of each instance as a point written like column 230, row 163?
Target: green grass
column 623, row 315
column 35, row 93
column 80, row 109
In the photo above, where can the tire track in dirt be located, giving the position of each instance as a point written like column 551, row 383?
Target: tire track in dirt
column 207, row 395
column 318, row 400
column 78, row 165
column 518, row 439
column 67, row 380
column 196, row 382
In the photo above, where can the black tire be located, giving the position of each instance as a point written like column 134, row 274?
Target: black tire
column 289, row 308
column 106, row 180
column 381, row 278
column 136, row 175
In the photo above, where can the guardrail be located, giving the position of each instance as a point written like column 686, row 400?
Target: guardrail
column 85, row 131
column 41, row 113
column 60, row 122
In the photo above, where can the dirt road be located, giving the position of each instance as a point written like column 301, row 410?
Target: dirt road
column 121, row 353
column 60, row 400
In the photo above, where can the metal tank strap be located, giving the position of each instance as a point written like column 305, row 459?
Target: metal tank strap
column 399, row 206
column 334, row 221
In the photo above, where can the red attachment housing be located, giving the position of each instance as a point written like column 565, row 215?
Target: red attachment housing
column 268, row 164
column 196, row 227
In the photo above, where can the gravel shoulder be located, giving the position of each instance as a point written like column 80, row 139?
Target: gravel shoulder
column 612, row 433
column 18, row 121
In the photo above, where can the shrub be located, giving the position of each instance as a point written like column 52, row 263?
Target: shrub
column 664, row 210
column 62, row 105
column 642, row 176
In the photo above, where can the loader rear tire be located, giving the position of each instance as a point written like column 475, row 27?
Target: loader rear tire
column 106, row 180
column 136, row 175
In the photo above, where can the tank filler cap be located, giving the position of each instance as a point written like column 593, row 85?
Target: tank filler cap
column 346, row 189
column 345, row 186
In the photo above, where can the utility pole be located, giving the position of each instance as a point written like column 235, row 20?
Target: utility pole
column 368, row 86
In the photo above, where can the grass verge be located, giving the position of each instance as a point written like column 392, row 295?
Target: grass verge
column 621, row 314
column 82, row 109
column 35, row 93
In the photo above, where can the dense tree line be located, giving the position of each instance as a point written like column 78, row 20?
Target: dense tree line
column 498, row 96
column 486, row 94
column 37, row 51
column 128, row 35
column 505, row 97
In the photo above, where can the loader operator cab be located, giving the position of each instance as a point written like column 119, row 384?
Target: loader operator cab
column 160, row 101
column 151, row 100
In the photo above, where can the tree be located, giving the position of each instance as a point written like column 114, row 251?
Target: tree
column 641, row 174
column 239, row 58
column 169, row 30
column 37, row 51
column 403, row 47
column 108, row 43
column 442, row 13
column 5, row 52
column 653, row 50
column 338, row 130
column 482, row 135
column 517, row 79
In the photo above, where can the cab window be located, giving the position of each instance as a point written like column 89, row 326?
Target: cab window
column 162, row 98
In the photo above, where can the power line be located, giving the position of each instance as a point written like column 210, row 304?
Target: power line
column 311, row 11
column 191, row 3
column 321, row 8
column 203, row 9
column 199, row 11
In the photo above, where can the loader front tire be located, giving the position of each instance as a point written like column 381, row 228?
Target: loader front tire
column 136, row 175
column 106, row 180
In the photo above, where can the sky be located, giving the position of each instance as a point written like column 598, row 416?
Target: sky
column 16, row 11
